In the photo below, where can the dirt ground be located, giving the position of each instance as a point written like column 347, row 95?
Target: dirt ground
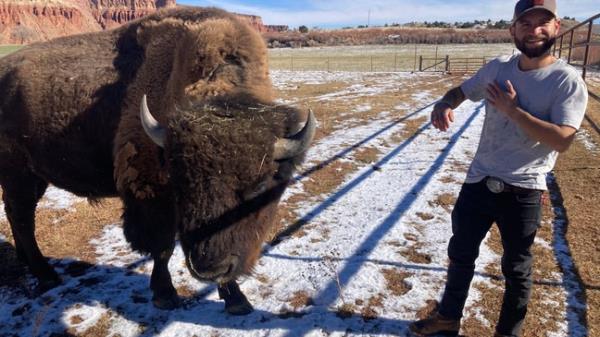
column 577, row 179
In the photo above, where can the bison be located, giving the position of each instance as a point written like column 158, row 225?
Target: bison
column 174, row 113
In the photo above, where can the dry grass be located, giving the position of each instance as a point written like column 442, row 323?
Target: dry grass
column 346, row 310
column 7, row 49
column 413, row 255
column 369, row 312
column 410, row 128
column 448, row 180
column 61, row 234
column 66, row 233
column 428, row 309
column 445, row 200
column 395, row 281
column 425, row 216
column 367, row 155
column 375, row 58
column 101, row 328
column 300, row 299
column 326, row 180
column 578, row 175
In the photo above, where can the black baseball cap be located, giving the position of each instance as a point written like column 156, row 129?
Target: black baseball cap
column 525, row 6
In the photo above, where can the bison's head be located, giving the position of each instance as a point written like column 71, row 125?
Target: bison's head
column 229, row 160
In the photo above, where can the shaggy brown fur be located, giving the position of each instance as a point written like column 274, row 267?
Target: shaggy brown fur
column 69, row 115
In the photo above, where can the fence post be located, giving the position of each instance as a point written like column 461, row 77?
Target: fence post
column 435, row 61
column 415, row 65
column 420, row 62
column 447, row 62
column 560, row 49
column 570, row 47
column 587, row 49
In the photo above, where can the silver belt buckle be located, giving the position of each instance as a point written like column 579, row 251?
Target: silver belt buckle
column 495, row 185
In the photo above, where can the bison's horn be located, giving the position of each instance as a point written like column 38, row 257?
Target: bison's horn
column 292, row 146
column 153, row 129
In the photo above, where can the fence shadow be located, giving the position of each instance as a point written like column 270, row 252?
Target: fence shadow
column 331, row 291
column 291, row 229
column 573, row 283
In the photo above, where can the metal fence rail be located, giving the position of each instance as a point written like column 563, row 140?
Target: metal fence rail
column 581, row 45
column 452, row 64
column 389, row 63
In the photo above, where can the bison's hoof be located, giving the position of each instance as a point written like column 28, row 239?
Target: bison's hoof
column 167, row 302
column 239, row 309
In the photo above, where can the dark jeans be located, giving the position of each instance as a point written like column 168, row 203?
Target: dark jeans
column 517, row 215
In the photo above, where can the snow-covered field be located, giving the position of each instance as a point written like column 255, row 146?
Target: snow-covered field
column 353, row 239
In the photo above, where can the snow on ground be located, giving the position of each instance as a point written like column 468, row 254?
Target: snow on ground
column 54, row 198
column 353, row 236
column 586, row 139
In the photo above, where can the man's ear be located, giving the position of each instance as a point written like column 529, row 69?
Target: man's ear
column 557, row 25
column 511, row 29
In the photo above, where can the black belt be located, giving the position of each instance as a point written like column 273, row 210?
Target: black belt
column 496, row 185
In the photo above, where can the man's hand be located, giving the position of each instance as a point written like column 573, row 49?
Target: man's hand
column 441, row 116
column 504, row 101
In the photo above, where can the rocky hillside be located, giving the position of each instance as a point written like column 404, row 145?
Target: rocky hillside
column 26, row 21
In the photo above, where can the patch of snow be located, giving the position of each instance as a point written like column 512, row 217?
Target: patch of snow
column 54, row 198
column 584, row 137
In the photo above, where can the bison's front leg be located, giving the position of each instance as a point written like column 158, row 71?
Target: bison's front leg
column 164, row 294
column 148, row 225
column 236, row 302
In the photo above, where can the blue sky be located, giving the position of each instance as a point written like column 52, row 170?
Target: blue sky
column 339, row 13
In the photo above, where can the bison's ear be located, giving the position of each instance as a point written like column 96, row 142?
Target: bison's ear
column 168, row 29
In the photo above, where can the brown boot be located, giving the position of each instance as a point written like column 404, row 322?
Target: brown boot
column 436, row 325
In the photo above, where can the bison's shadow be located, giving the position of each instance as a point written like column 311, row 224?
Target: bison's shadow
column 100, row 292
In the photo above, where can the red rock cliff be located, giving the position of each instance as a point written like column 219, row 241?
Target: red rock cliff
column 26, row 21
column 113, row 13
column 257, row 23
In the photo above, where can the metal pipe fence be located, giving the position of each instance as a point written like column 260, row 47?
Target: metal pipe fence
column 580, row 46
column 385, row 63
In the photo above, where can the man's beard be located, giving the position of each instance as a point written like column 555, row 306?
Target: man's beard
column 535, row 51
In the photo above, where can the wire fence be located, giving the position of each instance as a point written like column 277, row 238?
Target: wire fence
column 445, row 63
column 405, row 58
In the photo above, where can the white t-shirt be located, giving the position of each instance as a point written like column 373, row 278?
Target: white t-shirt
column 555, row 93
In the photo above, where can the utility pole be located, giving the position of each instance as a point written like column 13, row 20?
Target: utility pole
column 369, row 18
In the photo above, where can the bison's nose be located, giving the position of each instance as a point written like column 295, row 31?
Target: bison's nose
column 214, row 270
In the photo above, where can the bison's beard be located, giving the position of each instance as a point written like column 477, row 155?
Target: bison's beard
column 208, row 267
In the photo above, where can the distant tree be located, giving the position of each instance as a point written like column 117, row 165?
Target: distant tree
column 303, row 29
column 502, row 24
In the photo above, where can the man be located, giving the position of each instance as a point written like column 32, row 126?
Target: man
column 534, row 105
